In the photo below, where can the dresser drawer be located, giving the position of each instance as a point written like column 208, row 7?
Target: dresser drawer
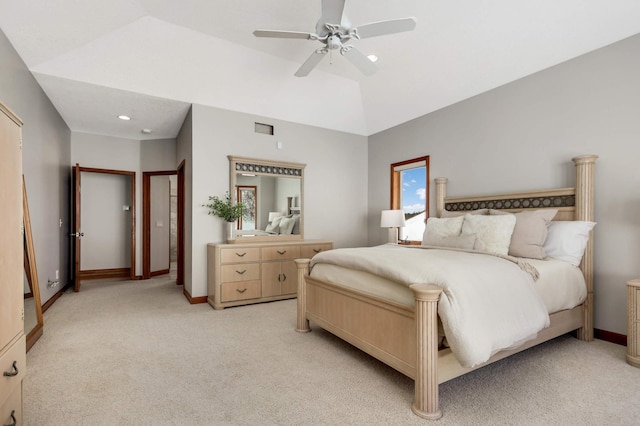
column 240, row 272
column 12, row 406
column 307, row 252
column 15, row 353
column 239, row 291
column 281, row 252
column 235, row 255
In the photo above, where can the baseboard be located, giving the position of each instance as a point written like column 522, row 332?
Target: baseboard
column 95, row 274
column 194, row 300
column 610, row 336
column 160, row 272
column 53, row 298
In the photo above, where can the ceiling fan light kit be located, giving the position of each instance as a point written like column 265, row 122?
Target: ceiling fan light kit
column 334, row 31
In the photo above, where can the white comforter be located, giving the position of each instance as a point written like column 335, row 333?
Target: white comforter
column 488, row 303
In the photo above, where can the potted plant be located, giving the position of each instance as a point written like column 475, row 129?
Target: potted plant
column 227, row 210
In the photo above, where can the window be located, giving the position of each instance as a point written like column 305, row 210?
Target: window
column 247, row 196
column 410, row 193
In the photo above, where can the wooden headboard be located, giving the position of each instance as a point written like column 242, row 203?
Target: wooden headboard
column 572, row 204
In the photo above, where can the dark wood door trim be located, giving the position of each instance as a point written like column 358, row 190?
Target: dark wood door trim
column 77, row 217
column 146, row 219
column 181, row 216
column 76, row 227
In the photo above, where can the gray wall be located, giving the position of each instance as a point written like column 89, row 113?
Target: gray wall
column 107, row 152
column 46, row 166
column 160, row 223
column 106, row 225
column 528, row 131
column 335, row 178
column 184, row 150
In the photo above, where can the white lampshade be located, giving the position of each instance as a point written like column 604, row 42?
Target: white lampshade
column 273, row 215
column 392, row 219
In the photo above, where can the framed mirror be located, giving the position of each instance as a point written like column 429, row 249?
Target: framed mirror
column 273, row 193
column 33, row 320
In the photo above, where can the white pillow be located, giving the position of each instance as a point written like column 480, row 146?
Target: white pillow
column 273, row 225
column 441, row 228
column 567, row 240
column 286, row 225
column 494, row 231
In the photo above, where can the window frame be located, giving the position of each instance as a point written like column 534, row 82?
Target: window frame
column 396, row 170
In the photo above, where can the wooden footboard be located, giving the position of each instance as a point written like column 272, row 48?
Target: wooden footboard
column 404, row 338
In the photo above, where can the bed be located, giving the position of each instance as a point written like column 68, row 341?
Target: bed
column 406, row 336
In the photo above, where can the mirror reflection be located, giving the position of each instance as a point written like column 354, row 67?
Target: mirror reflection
column 30, row 317
column 272, row 193
column 33, row 321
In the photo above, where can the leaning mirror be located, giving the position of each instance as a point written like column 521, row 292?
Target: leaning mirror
column 272, row 193
column 33, row 321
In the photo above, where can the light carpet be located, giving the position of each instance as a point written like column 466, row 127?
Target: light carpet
column 137, row 353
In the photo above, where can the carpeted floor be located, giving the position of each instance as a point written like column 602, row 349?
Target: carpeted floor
column 136, row 353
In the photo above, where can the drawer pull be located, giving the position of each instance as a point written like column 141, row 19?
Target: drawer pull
column 241, row 272
column 315, row 250
column 282, row 252
column 13, row 419
column 12, row 373
column 241, row 254
column 241, row 290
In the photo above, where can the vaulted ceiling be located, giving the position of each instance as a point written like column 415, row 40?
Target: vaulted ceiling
column 151, row 59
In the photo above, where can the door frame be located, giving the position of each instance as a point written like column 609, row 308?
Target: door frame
column 77, row 220
column 146, row 221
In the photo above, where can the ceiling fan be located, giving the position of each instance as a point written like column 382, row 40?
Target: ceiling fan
column 335, row 31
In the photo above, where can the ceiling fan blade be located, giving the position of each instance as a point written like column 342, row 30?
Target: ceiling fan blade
column 310, row 63
column 331, row 13
column 376, row 29
column 282, row 34
column 360, row 61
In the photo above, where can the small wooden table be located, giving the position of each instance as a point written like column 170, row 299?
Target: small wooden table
column 633, row 325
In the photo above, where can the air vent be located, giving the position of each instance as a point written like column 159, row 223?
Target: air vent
column 265, row 129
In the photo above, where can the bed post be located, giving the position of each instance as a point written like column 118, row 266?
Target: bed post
column 302, row 325
column 585, row 211
column 441, row 193
column 425, row 402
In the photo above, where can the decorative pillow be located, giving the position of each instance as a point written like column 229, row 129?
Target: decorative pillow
column 447, row 213
column 296, row 224
column 530, row 232
column 274, row 225
column 440, row 228
column 467, row 242
column 494, row 231
column 567, row 240
column 286, row 225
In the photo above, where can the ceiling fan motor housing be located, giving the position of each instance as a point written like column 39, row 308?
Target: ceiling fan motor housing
column 334, row 42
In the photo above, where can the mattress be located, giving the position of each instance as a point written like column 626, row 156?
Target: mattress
column 560, row 284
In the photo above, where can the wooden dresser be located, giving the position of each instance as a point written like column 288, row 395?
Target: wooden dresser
column 12, row 341
column 241, row 274
column 633, row 327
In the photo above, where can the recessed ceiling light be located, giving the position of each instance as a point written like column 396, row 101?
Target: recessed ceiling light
column 124, row 117
column 372, row 58
column 145, row 131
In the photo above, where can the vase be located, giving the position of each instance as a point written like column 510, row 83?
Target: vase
column 231, row 230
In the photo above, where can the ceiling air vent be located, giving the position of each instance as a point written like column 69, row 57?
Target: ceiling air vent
column 265, row 129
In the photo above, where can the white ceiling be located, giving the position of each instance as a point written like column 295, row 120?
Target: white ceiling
column 152, row 58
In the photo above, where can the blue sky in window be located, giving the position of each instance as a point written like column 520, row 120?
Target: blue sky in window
column 413, row 190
